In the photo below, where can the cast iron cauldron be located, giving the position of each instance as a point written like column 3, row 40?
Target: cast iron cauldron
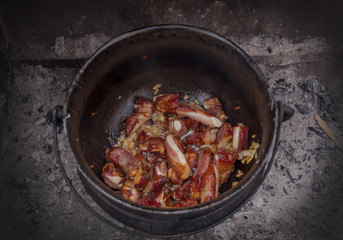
column 185, row 60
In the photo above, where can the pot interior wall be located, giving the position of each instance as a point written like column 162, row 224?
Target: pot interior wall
column 184, row 62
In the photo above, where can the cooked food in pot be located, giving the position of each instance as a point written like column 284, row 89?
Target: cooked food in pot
column 175, row 154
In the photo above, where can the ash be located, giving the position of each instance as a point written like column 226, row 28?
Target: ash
column 301, row 197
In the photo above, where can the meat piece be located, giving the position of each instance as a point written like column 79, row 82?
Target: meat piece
column 143, row 105
column 213, row 147
column 134, row 122
column 173, row 177
column 195, row 187
column 140, row 157
column 186, row 203
column 176, row 158
column 143, row 162
column 124, row 160
column 155, row 196
column 192, row 124
column 177, row 127
column 156, row 201
column 191, row 157
column 193, row 112
column 180, row 144
column 240, row 137
column 224, row 161
column 214, row 107
column 152, row 157
column 141, row 179
column 209, row 184
column 142, row 136
column 160, row 169
column 208, row 135
column 153, row 145
column 204, row 160
column 203, row 163
column 224, row 135
column 112, row 177
column 182, row 191
column 130, row 192
column 143, row 108
column 166, row 201
column 193, row 139
column 167, row 103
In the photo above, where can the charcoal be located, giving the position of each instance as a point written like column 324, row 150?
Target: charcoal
column 317, row 130
column 306, row 86
column 303, row 109
column 280, row 80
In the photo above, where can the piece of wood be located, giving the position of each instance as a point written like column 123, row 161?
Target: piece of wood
column 327, row 130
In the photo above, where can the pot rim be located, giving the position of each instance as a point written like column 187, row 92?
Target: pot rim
column 267, row 160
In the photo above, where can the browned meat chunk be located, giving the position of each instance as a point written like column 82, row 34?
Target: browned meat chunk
column 173, row 177
column 112, row 177
column 240, row 137
column 193, row 139
column 224, row 160
column 192, row 111
column 224, row 135
column 177, row 127
column 134, row 122
column 192, row 124
column 144, row 105
column 214, row 107
column 182, row 191
column 208, row 135
column 191, row 157
column 167, row 103
column 143, row 108
column 186, row 203
column 155, row 196
column 124, row 160
column 209, row 184
column 176, row 158
column 203, row 163
column 153, row 145
column 130, row 192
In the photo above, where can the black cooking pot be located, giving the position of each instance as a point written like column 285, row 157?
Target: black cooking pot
column 185, row 60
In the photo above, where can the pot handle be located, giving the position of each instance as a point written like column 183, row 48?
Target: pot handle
column 56, row 117
column 285, row 112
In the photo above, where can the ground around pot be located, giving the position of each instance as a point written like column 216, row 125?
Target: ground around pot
column 301, row 196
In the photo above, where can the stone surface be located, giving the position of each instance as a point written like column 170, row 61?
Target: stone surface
column 298, row 47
